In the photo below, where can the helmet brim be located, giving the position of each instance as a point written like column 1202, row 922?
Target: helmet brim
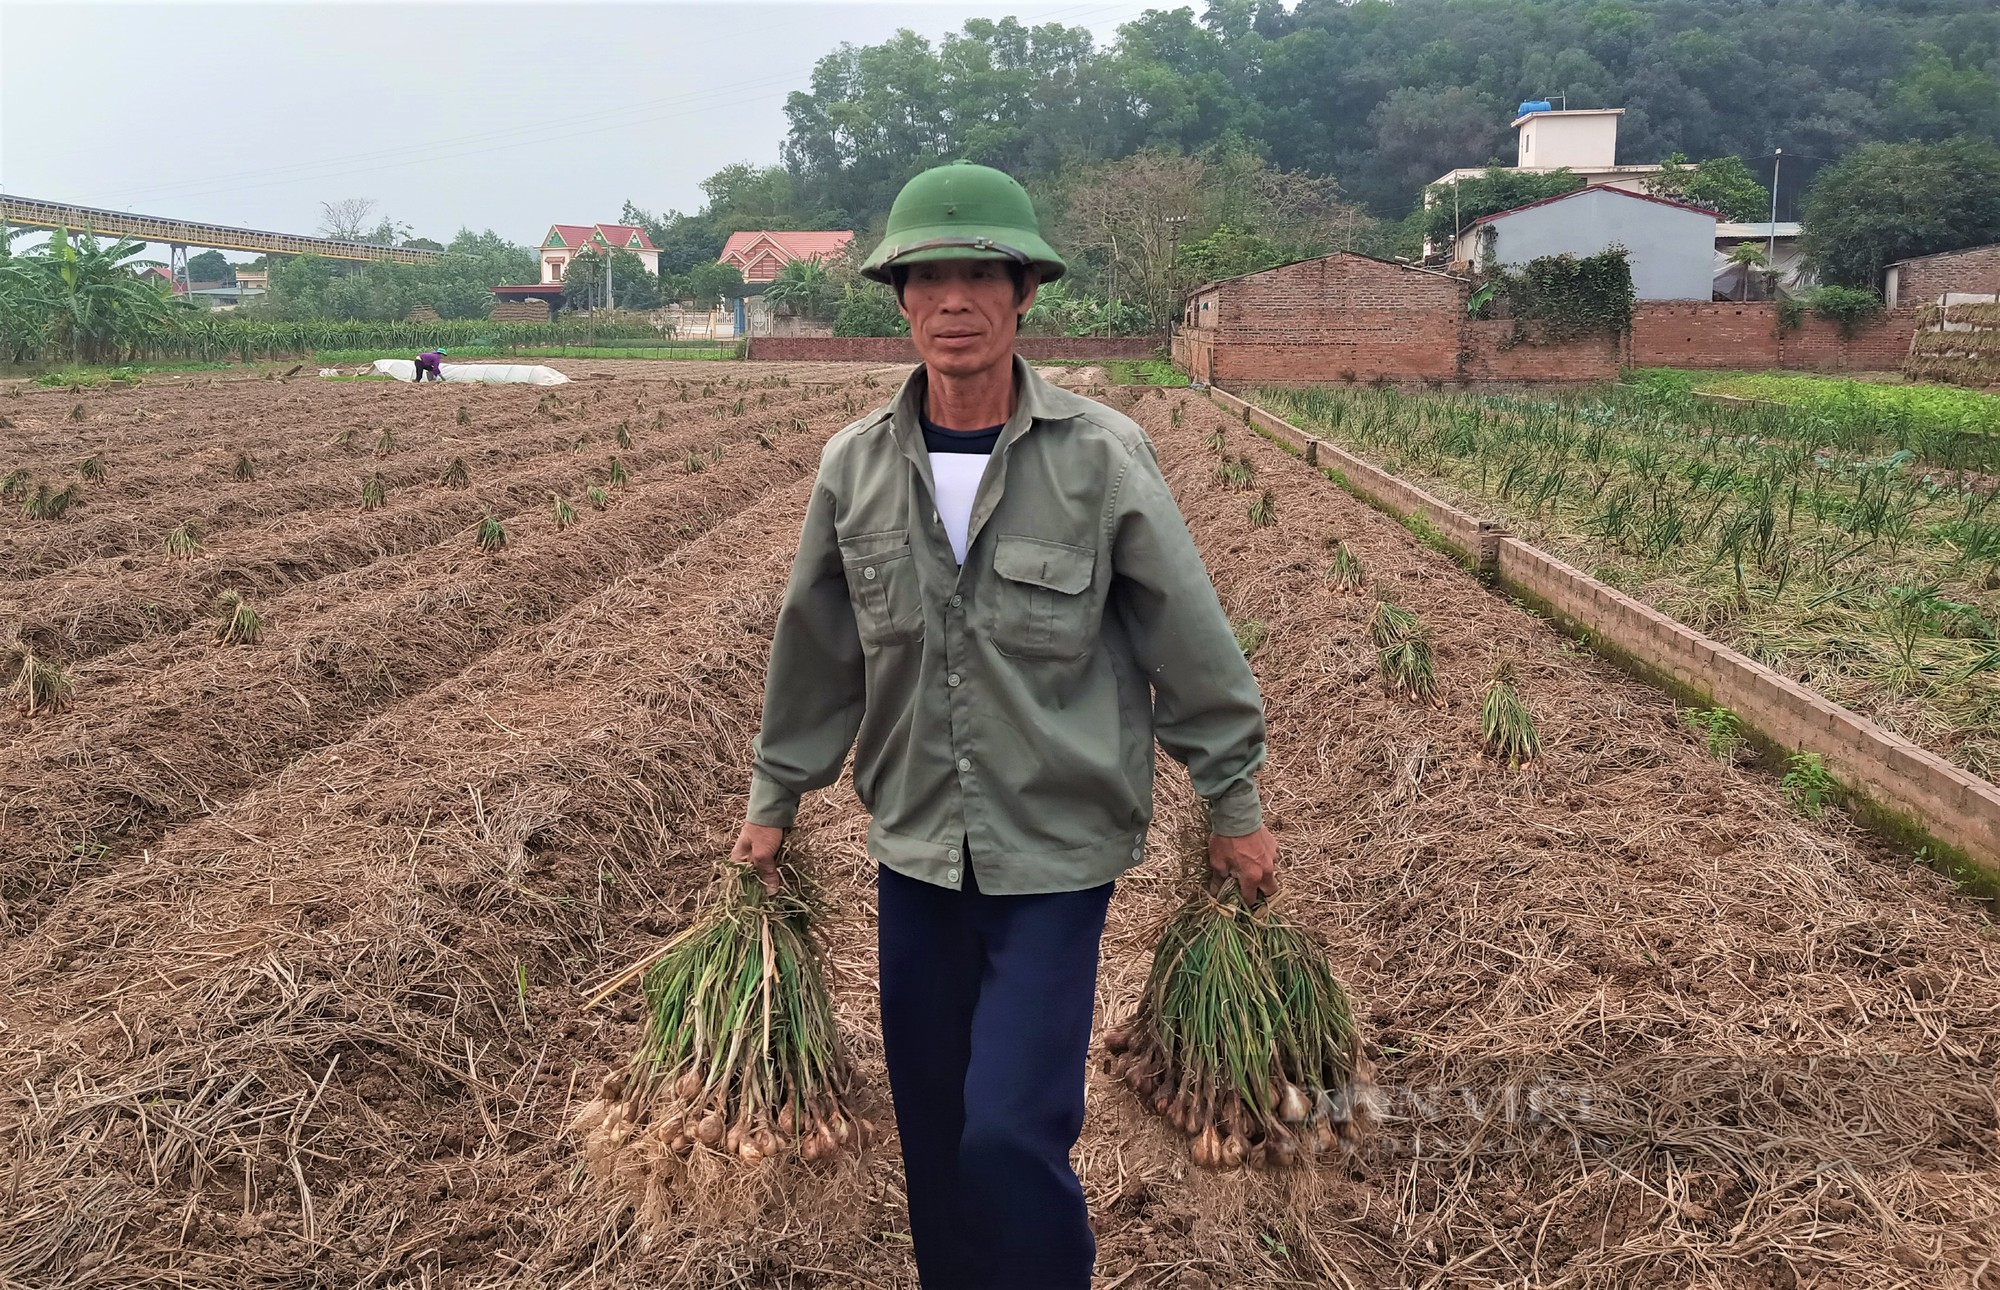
column 928, row 244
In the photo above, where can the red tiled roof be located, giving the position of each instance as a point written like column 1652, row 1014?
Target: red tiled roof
column 618, row 235
column 573, row 235
column 1596, row 188
column 621, row 235
column 790, row 244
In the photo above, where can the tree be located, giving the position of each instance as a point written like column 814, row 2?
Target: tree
column 869, row 309
column 1890, row 201
column 633, row 285
column 806, row 288
column 347, row 219
column 460, row 283
column 1939, row 98
column 209, row 266
column 583, row 280
column 1387, row 95
column 1061, row 310
column 1227, row 252
column 683, row 241
column 1722, row 184
column 89, row 296
column 24, row 318
column 1423, row 133
column 707, row 284
column 1747, row 257
column 1453, row 207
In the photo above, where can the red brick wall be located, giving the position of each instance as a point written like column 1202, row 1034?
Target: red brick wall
column 1340, row 317
column 1486, row 353
column 898, row 349
column 1688, row 333
column 1973, row 271
column 1347, row 317
column 1677, row 333
column 1881, row 346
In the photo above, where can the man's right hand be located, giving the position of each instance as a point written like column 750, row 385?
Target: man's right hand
column 757, row 846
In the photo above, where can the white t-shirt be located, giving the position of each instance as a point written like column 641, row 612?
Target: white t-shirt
column 957, row 475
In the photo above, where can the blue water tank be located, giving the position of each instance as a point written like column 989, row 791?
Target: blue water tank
column 1535, row 105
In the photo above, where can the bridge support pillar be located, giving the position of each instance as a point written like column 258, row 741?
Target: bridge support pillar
column 177, row 264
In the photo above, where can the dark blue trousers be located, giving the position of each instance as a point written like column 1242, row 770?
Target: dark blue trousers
column 986, row 1008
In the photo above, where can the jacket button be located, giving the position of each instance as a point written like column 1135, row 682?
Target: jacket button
column 956, row 601
column 1138, row 852
column 952, row 855
column 869, row 573
column 951, row 875
column 952, row 680
column 964, row 764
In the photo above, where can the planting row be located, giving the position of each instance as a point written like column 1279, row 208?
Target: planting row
column 103, row 495
column 126, row 761
column 105, row 604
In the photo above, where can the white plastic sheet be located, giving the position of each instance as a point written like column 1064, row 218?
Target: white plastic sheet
column 405, row 369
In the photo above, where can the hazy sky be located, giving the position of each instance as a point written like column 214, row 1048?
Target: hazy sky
column 501, row 116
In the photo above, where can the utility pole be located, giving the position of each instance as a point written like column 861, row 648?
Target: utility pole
column 1771, row 245
column 608, row 303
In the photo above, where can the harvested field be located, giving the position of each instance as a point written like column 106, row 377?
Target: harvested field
column 294, row 959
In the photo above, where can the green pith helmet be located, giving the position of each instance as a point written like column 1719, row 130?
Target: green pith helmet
column 963, row 212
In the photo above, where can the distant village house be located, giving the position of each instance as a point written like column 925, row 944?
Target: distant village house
column 1670, row 245
column 759, row 254
column 565, row 242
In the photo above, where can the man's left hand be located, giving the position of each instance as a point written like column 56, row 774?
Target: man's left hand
column 1252, row 860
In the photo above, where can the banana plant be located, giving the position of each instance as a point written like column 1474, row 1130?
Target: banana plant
column 92, row 296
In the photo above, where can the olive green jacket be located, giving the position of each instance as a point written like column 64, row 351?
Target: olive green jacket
column 1010, row 705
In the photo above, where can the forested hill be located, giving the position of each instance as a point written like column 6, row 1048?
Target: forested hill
column 1385, row 96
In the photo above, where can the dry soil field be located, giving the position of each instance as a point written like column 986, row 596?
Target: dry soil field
column 294, row 936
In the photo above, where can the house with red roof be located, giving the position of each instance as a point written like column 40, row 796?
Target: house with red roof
column 565, row 242
column 758, row 254
column 1670, row 244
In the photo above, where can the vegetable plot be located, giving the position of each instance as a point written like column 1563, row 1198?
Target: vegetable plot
column 1857, row 553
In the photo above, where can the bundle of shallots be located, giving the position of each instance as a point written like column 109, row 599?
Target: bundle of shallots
column 1243, row 1039
column 740, row 1054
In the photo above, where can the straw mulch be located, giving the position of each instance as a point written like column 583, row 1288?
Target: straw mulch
column 1635, row 1022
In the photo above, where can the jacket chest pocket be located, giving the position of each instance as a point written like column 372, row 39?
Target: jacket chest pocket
column 882, row 584
column 1042, row 606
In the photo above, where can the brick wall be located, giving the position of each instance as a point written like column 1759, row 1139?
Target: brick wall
column 899, row 349
column 1486, row 352
column 1817, row 345
column 1975, row 271
column 1698, row 333
column 1679, row 333
column 1339, row 317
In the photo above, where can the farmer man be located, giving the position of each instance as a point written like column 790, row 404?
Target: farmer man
column 432, row 361
column 996, row 594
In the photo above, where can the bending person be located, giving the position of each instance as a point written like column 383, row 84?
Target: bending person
column 432, row 361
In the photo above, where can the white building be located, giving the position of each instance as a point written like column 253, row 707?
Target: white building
column 1670, row 245
column 1583, row 139
column 565, row 240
